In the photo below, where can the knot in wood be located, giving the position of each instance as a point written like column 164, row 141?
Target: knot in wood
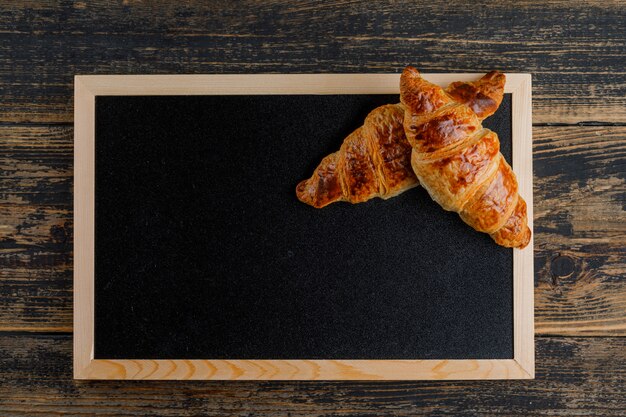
column 562, row 266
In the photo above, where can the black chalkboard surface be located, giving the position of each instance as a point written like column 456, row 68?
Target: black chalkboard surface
column 202, row 250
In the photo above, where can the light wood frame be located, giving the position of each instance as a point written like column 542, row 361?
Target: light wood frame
column 87, row 87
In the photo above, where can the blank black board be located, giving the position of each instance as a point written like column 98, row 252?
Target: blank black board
column 204, row 252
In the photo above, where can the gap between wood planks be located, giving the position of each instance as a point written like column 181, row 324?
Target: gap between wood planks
column 581, row 124
column 35, row 332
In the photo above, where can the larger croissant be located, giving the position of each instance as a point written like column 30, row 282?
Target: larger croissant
column 375, row 159
column 459, row 162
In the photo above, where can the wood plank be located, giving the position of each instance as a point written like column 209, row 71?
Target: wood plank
column 580, row 229
column 575, row 50
column 36, row 230
column 575, row 376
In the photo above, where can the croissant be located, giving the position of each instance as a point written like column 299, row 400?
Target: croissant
column 375, row 159
column 459, row 162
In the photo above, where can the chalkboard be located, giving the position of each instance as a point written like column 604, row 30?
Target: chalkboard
column 203, row 252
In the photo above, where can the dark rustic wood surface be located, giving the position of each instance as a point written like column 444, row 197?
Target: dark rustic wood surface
column 575, row 376
column 576, row 52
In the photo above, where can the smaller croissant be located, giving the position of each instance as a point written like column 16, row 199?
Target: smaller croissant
column 374, row 161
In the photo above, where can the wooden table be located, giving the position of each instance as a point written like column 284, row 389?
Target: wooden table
column 577, row 55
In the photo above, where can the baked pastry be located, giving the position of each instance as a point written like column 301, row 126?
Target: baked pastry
column 375, row 159
column 458, row 161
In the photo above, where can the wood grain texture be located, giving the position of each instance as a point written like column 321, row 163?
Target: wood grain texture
column 36, row 231
column 300, row 369
column 580, row 230
column 575, row 376
column 580, row 218
column 575, row 50
column 84, row 222
column 523, row 259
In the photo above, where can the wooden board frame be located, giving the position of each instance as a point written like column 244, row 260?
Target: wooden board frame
column 87, row 87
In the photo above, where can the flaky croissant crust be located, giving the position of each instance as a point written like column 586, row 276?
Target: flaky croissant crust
column 373, row 161
column 459, row 162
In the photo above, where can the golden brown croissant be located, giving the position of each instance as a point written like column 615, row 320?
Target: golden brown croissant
column 459, row 162
column 375, row 159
